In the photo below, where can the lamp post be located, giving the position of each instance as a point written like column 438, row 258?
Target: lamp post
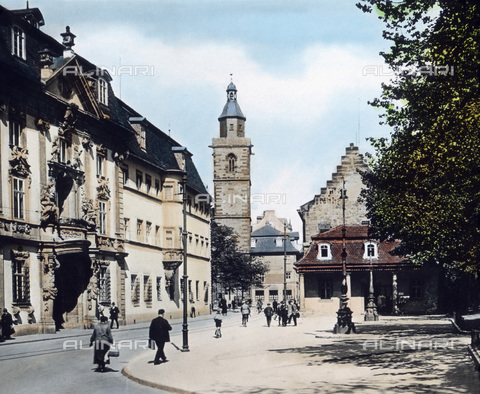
column 285, row 236
column 183, row 152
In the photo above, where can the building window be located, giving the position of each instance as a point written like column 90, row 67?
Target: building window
column 126, row 227
column 231, row 162
column 416, row 289
column 139, row 230
column 135, row 290
column 261, row 277
column 169, row 239
column 18, row 42
column 157, row 186
column 197, row 290
column 139, row 179
column 62, row 151
column 159, row 288
column 370, row 250
column 18, row 198
column 14, row 135
column 148, row 230
column 102, row 91
column 205, row 292
column 148, row 182
column 272, row 295
column 102, row 217
column 253, row 243
column 182, row 286
column 100, row 164
column 325, row 290
column 288, row 275
column 147, row 289
column 21, row 287
column 289, row 294
column 324, row 252
column 259, row 294
column 190, row 292
column 124, row 175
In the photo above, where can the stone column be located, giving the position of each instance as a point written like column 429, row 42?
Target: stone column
column 395, row 309
column 301, row 278
column 49, row 291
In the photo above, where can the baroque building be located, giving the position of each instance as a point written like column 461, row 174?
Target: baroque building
column 91, row 193
column 231, row 171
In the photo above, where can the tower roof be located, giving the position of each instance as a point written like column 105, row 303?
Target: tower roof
column 231, row 108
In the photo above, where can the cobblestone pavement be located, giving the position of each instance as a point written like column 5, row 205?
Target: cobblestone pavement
column 401, row 354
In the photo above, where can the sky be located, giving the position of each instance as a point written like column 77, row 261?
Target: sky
column 304, row 70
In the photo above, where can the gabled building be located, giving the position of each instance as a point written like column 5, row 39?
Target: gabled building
column 274, row 243
column 91, row 206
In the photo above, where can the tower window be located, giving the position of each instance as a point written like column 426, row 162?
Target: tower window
column 231, row 162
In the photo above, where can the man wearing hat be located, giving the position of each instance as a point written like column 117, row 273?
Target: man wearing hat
column 159, row 332
column 268, row 314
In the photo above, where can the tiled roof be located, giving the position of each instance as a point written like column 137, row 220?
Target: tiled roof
column 266, row 242
column 355, row 238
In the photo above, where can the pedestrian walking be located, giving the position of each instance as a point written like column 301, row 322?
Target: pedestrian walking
column 292, row 312
column 283, row 313
column 268, row 314
column 159, row 332
column 7, row 325
column 223, row 304
column 102, row 339
column 259, row 305
column 245, row 310
column 218, row 323
column 193, row 312
column 114, row 312
column 274, row 306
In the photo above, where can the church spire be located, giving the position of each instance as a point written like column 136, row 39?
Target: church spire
column 231, row 108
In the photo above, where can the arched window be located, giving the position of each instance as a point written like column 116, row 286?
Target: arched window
column 324, row 252
column 371, row 250
column 232, row 160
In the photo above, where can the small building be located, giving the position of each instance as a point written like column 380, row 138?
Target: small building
column 399, row 286
column 274, row 242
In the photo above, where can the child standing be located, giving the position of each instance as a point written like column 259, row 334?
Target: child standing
column 218, row 323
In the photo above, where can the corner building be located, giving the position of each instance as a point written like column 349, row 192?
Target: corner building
column 231, row 171
column 91, row 207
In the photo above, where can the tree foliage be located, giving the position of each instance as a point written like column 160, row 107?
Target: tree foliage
column 232, row 269
column 424, row 183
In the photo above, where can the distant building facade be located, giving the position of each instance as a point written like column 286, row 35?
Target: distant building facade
column 91, row 194
column 268, row 236
column 324, row 211
column 399, row 286
column 231, row 171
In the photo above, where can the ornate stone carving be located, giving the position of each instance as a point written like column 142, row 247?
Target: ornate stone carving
column 18, row 162
column 93, row 289
column 43, row 126
column 4, row 225
column 69, row 120
column 103, row 191
column 111, row 243
column 56, row 149
column 23, row 228
column 87, row 143
column 89, row 215
column 77, row 162
column 50, row 213
column 49, row 289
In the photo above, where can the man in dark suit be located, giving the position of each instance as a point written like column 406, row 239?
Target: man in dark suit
column 159, row 332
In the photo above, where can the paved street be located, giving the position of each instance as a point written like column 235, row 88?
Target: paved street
column 413, row 355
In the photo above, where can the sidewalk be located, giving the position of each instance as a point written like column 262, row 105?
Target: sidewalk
column 393, row 355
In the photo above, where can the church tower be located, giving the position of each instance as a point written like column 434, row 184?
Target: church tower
column 231, row 171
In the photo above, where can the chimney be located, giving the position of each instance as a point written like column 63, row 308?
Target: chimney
column 46, row 61
column 68, row 42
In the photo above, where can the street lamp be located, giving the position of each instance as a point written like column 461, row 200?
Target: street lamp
column 285, row 236
column 183, row 151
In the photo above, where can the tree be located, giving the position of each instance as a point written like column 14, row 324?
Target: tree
column 232, row 269
column 424, row 183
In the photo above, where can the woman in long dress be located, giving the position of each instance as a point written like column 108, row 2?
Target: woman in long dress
column 102, row 338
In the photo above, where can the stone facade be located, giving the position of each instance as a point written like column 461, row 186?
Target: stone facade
column 324, row 211
column 231, row 171
column 268, row 235
column 90, row 209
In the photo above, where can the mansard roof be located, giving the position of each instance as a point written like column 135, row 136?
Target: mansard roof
column 21, row 87
column 266, row 242
column 355, row 239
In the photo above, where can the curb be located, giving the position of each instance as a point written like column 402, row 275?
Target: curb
column 126, row 372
